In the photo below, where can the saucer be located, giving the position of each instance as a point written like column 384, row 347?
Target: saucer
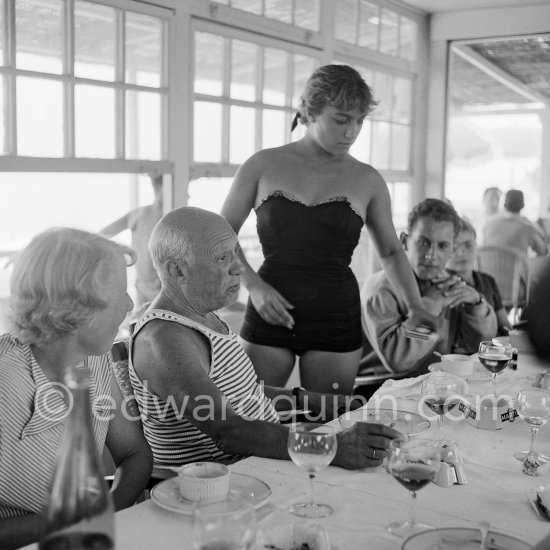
column 479, row 372
column 407, row 423
column 166, row 494
column 463, row 538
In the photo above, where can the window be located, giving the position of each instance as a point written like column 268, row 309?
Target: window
column 103, row 98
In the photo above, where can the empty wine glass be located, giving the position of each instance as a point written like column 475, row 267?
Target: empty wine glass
column 495, row 357
column 312, row 447
column 533, row 406
column 414, row 463
column 228, row 524
column 441, row 392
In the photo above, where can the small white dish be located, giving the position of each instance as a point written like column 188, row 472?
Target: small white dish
column 166, row 494
column 204, row 481
column 479, row 372
column 407, row 423
column 463, row 538
column 294, row 536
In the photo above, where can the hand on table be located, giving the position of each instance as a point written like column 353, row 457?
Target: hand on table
column 364, row 445
column 271, row 305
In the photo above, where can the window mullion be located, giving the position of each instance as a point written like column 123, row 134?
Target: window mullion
column 260, row 71
column 68, row 84
column 10, row 87
column 120, row 94
column 226, row 87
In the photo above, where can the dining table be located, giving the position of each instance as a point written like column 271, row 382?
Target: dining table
column 366, row 501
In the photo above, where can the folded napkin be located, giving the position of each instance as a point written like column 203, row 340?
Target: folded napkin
column 401, row 387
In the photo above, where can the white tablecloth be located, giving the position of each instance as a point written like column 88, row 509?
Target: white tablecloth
column 366, row 501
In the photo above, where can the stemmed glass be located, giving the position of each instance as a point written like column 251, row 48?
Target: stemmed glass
column 228, row 523
column 495, row 357
column 441, row 392
column 414, row 463
column 312, row 447
column 533, row 406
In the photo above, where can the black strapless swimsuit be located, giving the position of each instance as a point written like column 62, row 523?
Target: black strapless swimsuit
column 307, row 251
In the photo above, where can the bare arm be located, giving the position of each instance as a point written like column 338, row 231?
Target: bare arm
column 130, row 452
column 19, row 531
column 175, row 361
column 116, row 227
column 269, row 303
column 391, row 254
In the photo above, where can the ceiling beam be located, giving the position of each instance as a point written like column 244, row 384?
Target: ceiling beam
column 495, row 72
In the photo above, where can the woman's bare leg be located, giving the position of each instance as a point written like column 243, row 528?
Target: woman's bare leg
column 329, row 372
column 272, row 365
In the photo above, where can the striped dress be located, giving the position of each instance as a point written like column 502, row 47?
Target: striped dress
column 173, row 439
column 32, row 414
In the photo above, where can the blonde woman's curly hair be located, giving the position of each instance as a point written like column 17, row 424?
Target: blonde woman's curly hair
column 58, row 282
column 340, row 86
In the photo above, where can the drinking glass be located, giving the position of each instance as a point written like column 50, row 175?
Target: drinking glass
column 414, row 463
column 228, row 524
column 495, row 357
column 533, row 406
column 441, row 392
column 312, row 447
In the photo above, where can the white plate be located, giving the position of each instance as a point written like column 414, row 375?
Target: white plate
column 167, row 493
column 479, row 372
column 405, row 422
column 458, row 538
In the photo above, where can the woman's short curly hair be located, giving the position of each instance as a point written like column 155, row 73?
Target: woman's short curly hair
column 340, row 86
column 58, row 281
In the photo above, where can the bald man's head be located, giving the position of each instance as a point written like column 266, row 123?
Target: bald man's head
column 179, row 234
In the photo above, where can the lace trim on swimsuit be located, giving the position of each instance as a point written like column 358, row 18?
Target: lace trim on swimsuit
column 336, row 198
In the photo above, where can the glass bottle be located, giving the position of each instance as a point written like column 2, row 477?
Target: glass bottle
column 80, row 513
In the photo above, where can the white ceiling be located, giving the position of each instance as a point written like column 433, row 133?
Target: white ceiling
column 444, row 6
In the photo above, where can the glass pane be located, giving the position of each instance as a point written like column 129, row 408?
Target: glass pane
column 241, row 138
column 408, row 39
column 402, row 100
column 209, row 50
column 361, row 148
column 39, row 35
column 243, row 70
column 35, row 201
column 346, row 21
column 252, row 6
column 303, row 67
column 143, row 125
column 225, row 2
column 381, row 145
column 94, row 121
column 400, row 147
column 400, row 204
column 383, row 92
column 94, row 41
column 273, row 128
column 389, row 33
column 306, row 14
column 2, row 32
column 39, row 117
column 368, row 76
column 281, row 10
column 369, row 25
column 207, row 132
column 274, row 76
column 143, row 50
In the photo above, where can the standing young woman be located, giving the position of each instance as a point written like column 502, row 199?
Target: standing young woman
column 311, row 200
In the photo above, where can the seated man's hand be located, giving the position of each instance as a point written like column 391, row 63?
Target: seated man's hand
column 456, row 291
column 364, row 445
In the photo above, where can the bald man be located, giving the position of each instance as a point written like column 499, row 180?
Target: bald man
column 195, row 386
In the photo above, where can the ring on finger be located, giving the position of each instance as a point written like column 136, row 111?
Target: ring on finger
column 373, row 454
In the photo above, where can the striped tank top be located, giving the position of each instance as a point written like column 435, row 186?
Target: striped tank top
column 172, row 438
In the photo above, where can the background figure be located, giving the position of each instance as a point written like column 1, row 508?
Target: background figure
column 311, row 200
column 462, row 262
column 68, row 297
column 512, row 230
column 491, row 201
column 140, row 222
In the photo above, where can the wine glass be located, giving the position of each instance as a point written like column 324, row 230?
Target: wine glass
column 312, row 447
column 533, row 406
column 414, row 463
column 441, row 392
column 228, row 524
column 495, row 357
